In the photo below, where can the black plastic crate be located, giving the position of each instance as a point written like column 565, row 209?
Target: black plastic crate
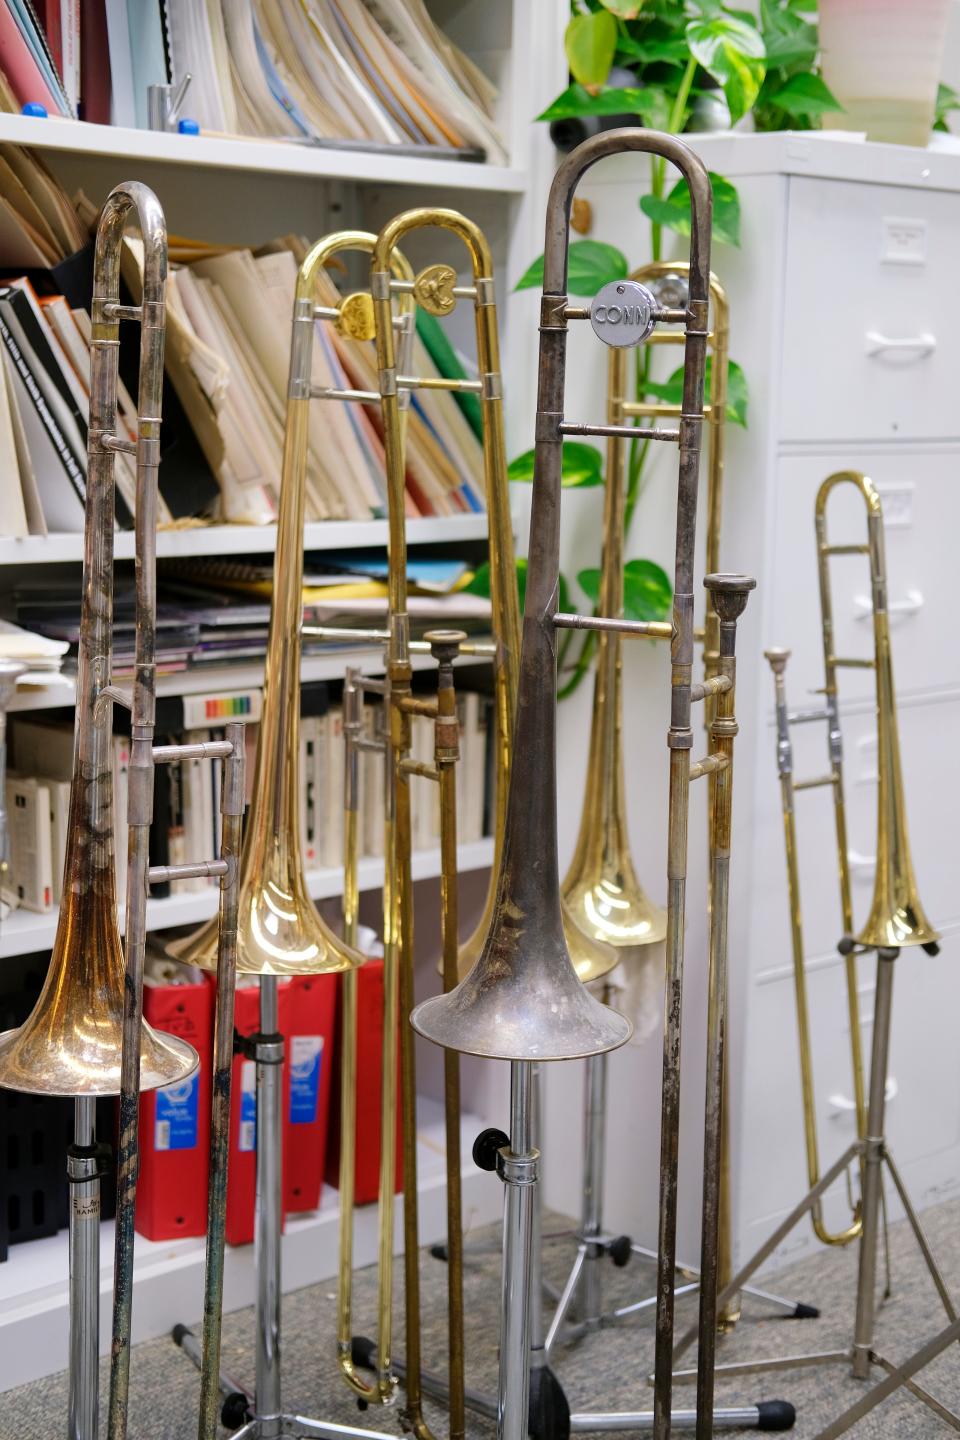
column 35, row 1131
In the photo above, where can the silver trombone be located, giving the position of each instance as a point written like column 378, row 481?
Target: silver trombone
column 86, row 1035
column 522, row 1001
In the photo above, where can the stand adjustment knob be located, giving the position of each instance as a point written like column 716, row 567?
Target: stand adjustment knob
column 487, row 1146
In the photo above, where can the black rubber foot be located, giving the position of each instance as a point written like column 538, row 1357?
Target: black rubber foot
column 439, row 1252
column 486, row 1148
column 235, row 1411
column 806, row 1312
column 178, row 1332
column 549, row 1411
column 362, row 1352
column 620, row 1251
column 776, row 1415
column 932, row 949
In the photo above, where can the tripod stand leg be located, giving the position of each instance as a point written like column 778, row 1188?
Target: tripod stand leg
column 920, row 1237
column 898, row 1376
column 566, row 1298
column 808, row 1202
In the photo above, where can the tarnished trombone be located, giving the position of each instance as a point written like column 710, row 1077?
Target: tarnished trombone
column 522, row 1001
column 896, row 921
column 86, row 1035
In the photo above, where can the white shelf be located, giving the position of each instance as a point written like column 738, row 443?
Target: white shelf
column 219, row 679
column 245, row 153
column 168, row 1276
column 25, row 932
column 245, row 539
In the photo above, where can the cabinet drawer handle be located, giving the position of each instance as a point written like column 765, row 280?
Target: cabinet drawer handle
column 861, row 863
column 923, row 344
column 911, row 603
column 843, row 1105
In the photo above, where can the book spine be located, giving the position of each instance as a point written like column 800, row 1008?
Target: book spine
column 73, row 470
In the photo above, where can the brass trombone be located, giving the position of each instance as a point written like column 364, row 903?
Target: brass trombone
column 86, row 1035
column 896, row 920
column 522, row 1001
column 385, row 314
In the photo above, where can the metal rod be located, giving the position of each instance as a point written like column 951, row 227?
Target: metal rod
column 231, row 810
column 83, row 1174
column 269, row 1211
column 628, row 432
column 518, row 1169
column 646, row 629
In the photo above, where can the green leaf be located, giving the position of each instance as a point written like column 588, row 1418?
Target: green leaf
column 582, row 466
column 732, row 52
column 671, row 390
column 947, row 100
column 804, row 95
column 443, row 355
column 623, row 9
column 652, row 103
column 788, row 38
column 652, row 49
column 590, row 42
column 673, row 210
column 592, row 263
column 647, row 593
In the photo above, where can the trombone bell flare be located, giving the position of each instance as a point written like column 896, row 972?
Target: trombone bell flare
column 522, row 1000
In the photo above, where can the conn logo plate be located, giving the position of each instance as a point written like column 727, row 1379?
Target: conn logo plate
column 433, row 289
column 621, row 313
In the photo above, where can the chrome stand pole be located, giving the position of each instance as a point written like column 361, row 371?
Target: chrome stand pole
column 517, row 1166
column 872, row 1182
column 268, row 1054
column 83, row 1174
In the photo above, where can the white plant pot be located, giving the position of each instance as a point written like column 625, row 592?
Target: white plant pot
column 882, row 59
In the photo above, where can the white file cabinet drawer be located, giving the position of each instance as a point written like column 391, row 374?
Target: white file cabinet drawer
column 920, row 493
column 871, row 341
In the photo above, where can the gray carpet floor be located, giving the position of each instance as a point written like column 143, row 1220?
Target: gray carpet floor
column 606, row 1370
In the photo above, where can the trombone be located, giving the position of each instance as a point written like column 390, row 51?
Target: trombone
column 280, row 931
column 522, row 1001
column 896, row 921
column 386, row 316
column 86, row 1035
column 601, row 889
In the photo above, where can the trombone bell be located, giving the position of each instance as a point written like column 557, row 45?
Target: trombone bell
column 70, row 1044
column 498, row 1010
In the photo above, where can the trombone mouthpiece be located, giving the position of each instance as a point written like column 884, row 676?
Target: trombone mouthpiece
column 777, row 657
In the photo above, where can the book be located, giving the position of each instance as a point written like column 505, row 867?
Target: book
column 28, row 820
column 57, row 448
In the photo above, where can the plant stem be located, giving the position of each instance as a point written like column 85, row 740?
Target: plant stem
column 681, row 97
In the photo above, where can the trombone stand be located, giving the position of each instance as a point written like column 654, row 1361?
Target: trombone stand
column 873, row 1154
column 264, row 1417
column 548, row 1411
column 594, row 1244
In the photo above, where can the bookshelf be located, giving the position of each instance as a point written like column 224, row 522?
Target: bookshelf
column 25, row 932
column 249, row 191
column 271, row 157
column 244, row 539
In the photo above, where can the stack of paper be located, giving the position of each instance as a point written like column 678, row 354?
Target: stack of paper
column 367, row 71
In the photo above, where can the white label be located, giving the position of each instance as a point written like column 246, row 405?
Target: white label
column 897, row 503
column 247, row 1138
column 904, row 241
